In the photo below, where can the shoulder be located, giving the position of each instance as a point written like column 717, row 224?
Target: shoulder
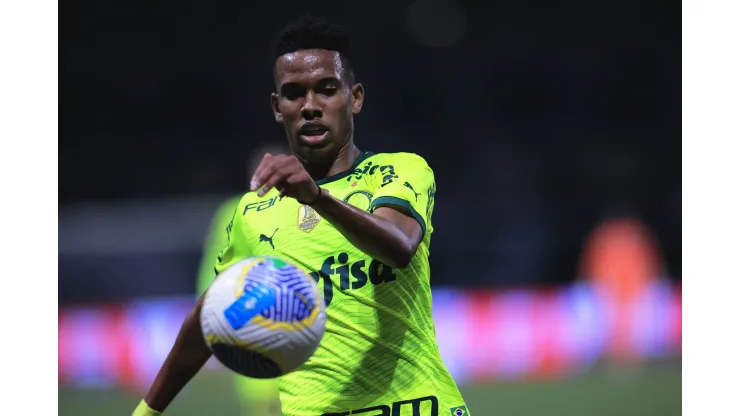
column 230, row 204
column 225, row 210
column 399, row 159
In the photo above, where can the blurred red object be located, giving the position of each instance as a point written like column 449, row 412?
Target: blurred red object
column 621, row 258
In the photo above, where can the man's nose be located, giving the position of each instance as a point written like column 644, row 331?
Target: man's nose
column 311, row 107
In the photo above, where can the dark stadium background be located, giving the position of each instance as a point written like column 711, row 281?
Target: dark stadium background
column 541, row 121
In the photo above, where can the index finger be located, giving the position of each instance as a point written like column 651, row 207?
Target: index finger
column 255, row 182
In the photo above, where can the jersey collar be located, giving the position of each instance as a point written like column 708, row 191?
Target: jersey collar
column 360, row 158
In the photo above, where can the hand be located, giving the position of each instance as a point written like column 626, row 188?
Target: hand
column 286, row 174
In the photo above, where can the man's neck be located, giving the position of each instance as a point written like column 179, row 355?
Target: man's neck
column 342, row 162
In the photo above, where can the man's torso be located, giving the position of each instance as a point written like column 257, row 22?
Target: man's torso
column 379, row 346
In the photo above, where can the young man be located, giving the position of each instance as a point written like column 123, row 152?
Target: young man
column 362, row 223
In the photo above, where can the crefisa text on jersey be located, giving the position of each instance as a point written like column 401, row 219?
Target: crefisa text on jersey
column 341, row 266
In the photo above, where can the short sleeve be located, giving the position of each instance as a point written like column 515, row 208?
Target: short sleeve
column 406, row 180
column 236, row 247
column 216, row 240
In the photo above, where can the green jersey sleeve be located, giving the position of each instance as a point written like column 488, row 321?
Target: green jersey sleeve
column 215, row 241
column 406, row 181
column 236, row 248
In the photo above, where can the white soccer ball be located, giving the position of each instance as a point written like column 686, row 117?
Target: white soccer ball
column 263, row 317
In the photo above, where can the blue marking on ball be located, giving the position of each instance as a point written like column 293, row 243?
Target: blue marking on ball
column 277, row 290
column 255, row 299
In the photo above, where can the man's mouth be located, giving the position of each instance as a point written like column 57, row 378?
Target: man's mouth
column 313, row 134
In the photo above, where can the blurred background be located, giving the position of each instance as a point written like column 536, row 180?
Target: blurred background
column 554, row 132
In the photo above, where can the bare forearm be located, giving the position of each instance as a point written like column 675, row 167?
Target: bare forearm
column 375, row 236
column 186, row 358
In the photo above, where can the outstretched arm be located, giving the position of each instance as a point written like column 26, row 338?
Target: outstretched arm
column 186, row 358
column 190, row 352
column 390, row 235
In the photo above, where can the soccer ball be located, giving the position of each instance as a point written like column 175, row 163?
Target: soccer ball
column 263, row 317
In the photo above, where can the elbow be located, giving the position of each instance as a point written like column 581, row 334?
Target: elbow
column 399, row 263
column 401, row 257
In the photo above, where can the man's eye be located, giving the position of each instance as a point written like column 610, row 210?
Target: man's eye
column 293, row 94
column 328, row 90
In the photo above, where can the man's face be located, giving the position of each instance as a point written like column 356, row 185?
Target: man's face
column 315, row 102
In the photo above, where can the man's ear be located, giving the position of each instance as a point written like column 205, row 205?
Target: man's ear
column 274, row 101
column 358, row 98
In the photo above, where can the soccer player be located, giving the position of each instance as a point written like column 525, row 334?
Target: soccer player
column 257, row 396
column 362, row 223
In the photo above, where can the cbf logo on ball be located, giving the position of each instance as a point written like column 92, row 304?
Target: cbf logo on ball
column 263, row 317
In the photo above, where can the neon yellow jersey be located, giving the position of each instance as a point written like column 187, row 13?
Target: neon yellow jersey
column 379, row 354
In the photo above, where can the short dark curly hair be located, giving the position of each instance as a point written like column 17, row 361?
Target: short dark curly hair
column 309, row 32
